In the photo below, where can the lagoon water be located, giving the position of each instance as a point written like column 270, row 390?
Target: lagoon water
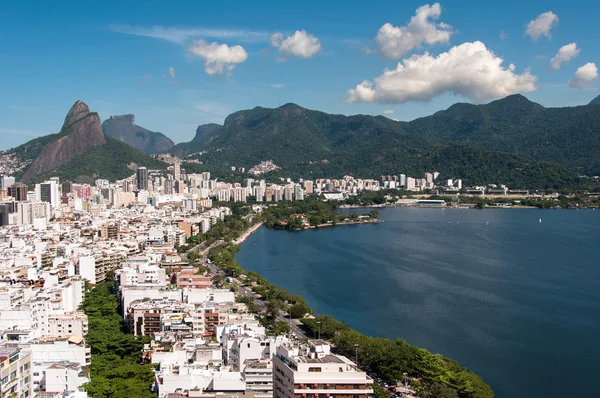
column 515, row 300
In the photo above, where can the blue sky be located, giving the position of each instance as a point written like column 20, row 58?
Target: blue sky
column 325, row 55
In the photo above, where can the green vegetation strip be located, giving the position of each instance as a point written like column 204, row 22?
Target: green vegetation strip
column 116, row 371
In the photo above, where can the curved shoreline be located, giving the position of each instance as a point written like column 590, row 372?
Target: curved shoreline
column 457, row 374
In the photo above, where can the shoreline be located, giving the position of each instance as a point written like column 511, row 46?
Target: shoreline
column 247, row 233
column 371, row 221
column 305, row 324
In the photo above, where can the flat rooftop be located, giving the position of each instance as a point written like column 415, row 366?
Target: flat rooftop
column 326, row 359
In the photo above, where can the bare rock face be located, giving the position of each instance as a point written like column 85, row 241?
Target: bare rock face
column 124, row 129
column 81, row 131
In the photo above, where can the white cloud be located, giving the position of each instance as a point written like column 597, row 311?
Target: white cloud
column 276, row 85
column 219, row 58
column 542, row 25
column 469, row 70
column 172, row 72
column 503, row 35
column 565, row 54
column 389, row 112
column 300, row 44
column 366, row 49
column 181, row 35
column 393, row 42
column 584, row 75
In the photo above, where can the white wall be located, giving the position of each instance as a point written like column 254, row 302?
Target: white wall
column 87, row 268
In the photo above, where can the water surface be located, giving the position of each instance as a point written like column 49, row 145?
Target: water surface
column 516, row 300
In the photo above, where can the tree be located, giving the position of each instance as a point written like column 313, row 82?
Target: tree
column 279, row 328
column 299, row 310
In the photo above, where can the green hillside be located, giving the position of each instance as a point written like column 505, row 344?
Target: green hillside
column 107, row 161
column 478, row 166
column 466, row 141
column 31, row 149
column 569, row 136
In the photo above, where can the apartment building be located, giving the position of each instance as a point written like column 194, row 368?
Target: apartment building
column 310, row 370
column 15, row 373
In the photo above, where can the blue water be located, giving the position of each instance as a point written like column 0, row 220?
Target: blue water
column 515, row 300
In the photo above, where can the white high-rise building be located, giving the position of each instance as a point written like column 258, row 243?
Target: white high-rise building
column 6, row 182
column 403, row 180
column 288, row 193
column 27, row 212
column 239, row 194
column 298, row 192
column 48, row 191
column 310, row 369
column 176, row 171
column 224, row 195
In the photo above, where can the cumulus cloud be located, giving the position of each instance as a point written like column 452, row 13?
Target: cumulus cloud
column 541, row 26
column 584, row 75
column 469, row 70
column 389, row 112
column 182, row 35
column 172, row 72
column 219, row 58
column 392, row 42
column 565, row 54
column 300, row 44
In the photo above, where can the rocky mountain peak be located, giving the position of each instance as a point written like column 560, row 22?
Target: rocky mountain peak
column 123, row 128
column 129, row 118
column 78, row 111
column 80, row 133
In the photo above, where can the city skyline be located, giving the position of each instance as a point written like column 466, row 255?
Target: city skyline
column 178, row 67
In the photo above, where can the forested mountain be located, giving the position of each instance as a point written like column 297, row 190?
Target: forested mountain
column 80, row 152
column 310, row 143
column 595, row 101
column 295, row 137
column 570, row 136
column 124, row 129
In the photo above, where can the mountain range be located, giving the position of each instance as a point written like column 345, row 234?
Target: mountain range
column 80, row 152
column 512, row 141
column 313, row 143
column 124, row 129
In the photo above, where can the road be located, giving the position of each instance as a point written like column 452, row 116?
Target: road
column 242, row 290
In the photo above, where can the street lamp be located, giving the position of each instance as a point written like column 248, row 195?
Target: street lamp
column 356, row 354
column 319, row 329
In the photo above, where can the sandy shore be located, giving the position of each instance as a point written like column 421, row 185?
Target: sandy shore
column 248, row 232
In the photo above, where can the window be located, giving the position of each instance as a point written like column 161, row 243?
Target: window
column 314, row 369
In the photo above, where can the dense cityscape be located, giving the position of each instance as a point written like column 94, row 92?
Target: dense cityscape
column 299, row 200
column 61, row 238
